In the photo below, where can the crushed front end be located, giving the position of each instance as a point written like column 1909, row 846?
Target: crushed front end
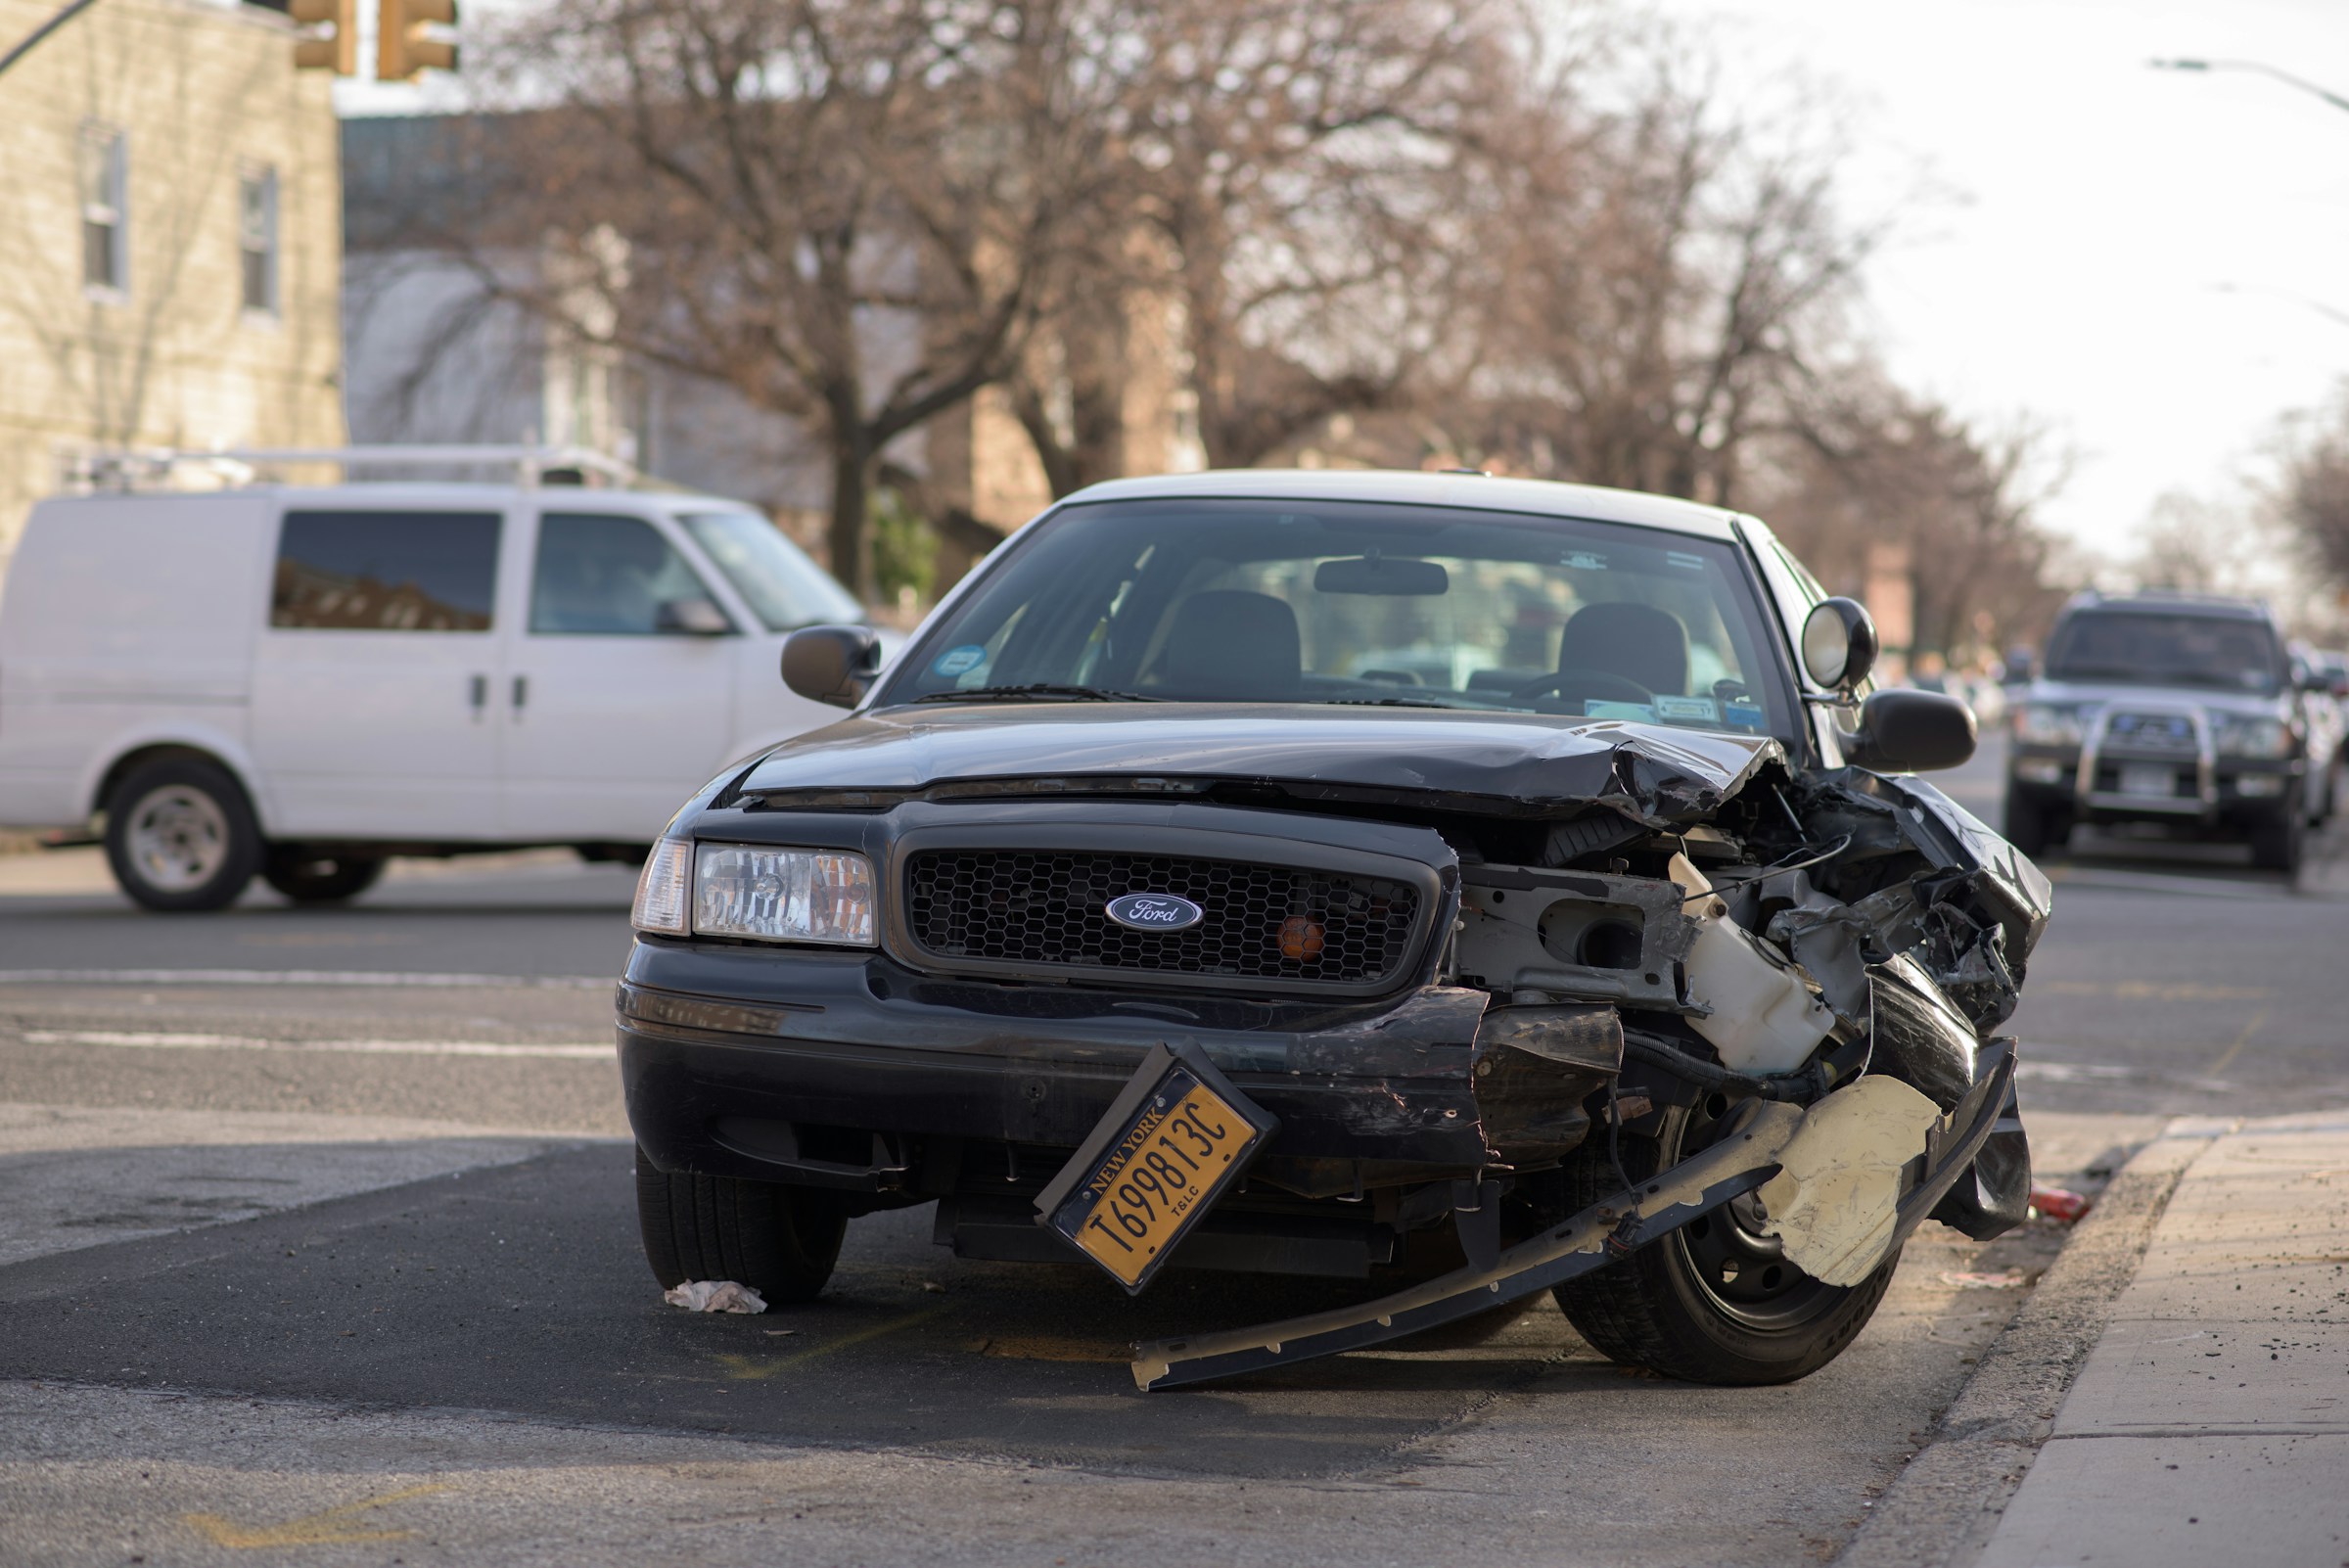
column 1515, row 1016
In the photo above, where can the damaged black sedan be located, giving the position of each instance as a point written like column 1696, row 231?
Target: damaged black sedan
column 1320, row 873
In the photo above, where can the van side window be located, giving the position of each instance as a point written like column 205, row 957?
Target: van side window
column 386, row 570
column 603, row 575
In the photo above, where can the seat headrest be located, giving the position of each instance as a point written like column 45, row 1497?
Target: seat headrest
column 1636, row 641
column 1229, row 643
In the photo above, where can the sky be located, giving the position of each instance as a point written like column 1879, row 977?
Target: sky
column 2133, row 257
column 2138, row 260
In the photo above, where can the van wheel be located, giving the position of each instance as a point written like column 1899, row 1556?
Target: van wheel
column 180, row 836
column 781, row 1242
column 307, row 878
column 1714, row 1301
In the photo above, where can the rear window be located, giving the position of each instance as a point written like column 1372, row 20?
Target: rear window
column 386, row 570
column 2167, row 648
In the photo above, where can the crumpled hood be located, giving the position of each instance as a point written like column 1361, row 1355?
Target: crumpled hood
column 1495, row 763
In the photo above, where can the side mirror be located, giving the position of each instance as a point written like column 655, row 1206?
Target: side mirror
column 1839, row 644
column 1905, row 731
column 694, row 618
column 833, row 664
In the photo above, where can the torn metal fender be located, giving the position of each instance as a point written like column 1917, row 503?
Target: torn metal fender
column 1736, row 1163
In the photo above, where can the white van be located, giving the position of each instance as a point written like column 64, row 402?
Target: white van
column 300, row 682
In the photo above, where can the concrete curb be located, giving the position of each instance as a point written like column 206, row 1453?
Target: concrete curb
column 1942, row 1510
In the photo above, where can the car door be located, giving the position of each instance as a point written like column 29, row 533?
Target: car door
column 372, row 715
column 618, row 700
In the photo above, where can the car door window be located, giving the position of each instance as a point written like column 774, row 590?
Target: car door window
column 598, row 575
column 386, row 570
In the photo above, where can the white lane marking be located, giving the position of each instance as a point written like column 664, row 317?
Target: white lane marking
column 161, row 1040
column 296, row 977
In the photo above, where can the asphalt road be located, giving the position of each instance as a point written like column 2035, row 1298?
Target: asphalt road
column 319, row 1241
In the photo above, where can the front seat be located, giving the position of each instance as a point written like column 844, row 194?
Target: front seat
column 1636, row 641
column 1229, row 643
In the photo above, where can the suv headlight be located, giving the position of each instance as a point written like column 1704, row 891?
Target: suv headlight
column 740, row 890
column 2047, row 724
column 2237, row 735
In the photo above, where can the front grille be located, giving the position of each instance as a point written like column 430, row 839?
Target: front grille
column 1046, row 908
column 2150, row 732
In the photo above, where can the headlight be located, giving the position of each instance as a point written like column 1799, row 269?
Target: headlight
column 2045, row 724
column 2239, row 736
column 664, row 889
column 783, row 895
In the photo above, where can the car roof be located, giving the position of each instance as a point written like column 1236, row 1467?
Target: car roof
column 2218, row 607
column 1476, row 491
column 367, row 495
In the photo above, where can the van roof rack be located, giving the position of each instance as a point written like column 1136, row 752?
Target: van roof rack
column 126, row 469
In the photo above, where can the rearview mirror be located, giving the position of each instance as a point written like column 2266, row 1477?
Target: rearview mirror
column 1905, row 731
column 1839, row 644
column 1403, row 579
column 695, row 617
column 833, row 664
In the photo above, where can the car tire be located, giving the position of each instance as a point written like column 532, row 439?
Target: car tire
column 180, row 836
column 779, row 1240
column 2280, row 841
column 309, row 878
column 1676, row 1306
column 2033, row 826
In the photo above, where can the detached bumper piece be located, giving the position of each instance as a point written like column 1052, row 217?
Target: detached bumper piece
column 1741, row 1160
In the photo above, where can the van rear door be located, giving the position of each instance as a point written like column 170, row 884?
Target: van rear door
column 620, row 694
column 373, row 711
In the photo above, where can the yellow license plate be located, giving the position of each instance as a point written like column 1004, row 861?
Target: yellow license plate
column 1166, row 1162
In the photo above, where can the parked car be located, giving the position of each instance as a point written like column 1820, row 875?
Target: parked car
column 1132, row 918
column 300, row 682
column 2174, row 709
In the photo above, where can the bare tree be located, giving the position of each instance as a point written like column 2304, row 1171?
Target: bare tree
column 2312, row 495
column 847, row 211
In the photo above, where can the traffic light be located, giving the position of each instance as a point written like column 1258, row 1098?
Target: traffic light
column 336, row 47
column 402, row 46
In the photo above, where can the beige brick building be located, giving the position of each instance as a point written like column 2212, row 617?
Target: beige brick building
column 171, row 238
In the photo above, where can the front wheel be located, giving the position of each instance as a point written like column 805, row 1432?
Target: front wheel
column 180, row 836
column 2032, row 825
column 781, row 1242
column 2280, row 841
column 1714, row 1301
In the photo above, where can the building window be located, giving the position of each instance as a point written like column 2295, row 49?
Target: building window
column 257, row 238
column 105, row 211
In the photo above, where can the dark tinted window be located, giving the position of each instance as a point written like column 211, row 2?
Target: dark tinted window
column 604, row 576
column 2167, row 648
column 386, row 570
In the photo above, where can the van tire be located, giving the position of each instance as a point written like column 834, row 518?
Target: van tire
column 307, row 878
column 180, row 835
column 779, row 1240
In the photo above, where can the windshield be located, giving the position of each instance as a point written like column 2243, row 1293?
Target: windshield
column 785, row 588
column 2152, row 648
column 1359, row 603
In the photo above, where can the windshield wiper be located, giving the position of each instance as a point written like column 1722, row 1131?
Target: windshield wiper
column 1398, row 702
column 1038, row 688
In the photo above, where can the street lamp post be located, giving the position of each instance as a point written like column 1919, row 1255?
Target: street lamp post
column 2284, row 77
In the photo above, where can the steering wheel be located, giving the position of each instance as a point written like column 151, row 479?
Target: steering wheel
column 1603, row 684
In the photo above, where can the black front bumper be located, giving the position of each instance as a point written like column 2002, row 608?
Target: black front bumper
column 848, row 1071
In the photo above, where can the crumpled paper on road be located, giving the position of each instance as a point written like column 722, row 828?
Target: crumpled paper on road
column 714, row 1296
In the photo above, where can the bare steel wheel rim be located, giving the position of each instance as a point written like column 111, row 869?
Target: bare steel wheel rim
column 178, row 838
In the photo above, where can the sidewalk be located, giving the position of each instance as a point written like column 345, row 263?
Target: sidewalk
column 2211, row 1423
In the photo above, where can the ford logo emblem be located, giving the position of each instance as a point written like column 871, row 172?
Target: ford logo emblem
column 1155, row 911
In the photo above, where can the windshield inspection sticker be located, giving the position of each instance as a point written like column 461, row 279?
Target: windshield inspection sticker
column 1600, row 708
column 1688, row 710
column 1743, row 715
column 959, row 660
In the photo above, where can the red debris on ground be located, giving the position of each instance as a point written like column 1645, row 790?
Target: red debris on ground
column 2054, row 1203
